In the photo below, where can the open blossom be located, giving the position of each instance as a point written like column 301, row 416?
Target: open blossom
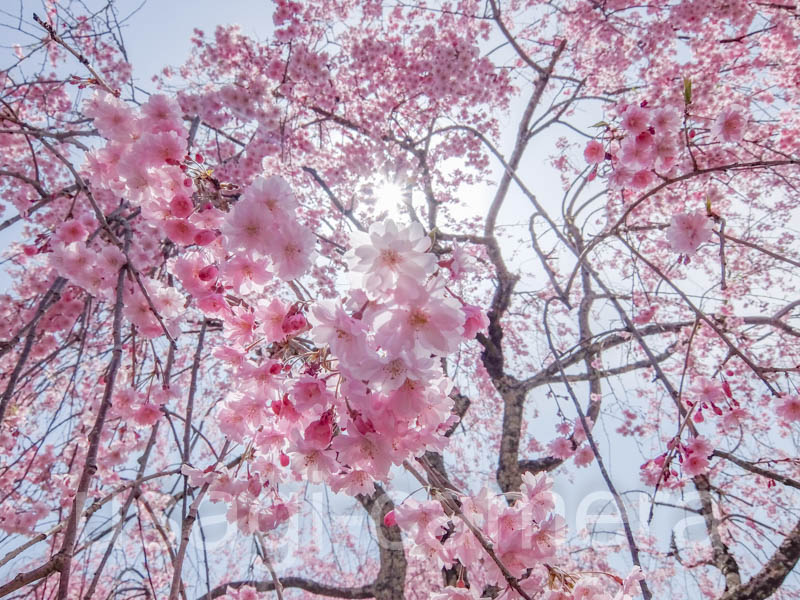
column 707, row 390
column 594, row 152
column 788, row 408
column 112, row 117
column 162, row 114
column 213, row 304
column 642, row 180
column 271, row 317
column 70, row 231
column 584, row 456
column 310, row 393
column 701, row 446
column 476, row 320
column 239, row 326
column 666, row 121
column 635, row 119
column 666, row 149
column 455, row 593
column 687, row 231
column 181, row 206
column 460, row 263
column 694, row 464
column 72, row 260
column 426, row 519
column 390, row 257
column 730, row 124
column 147, row 414
column 537, row 494
column 245, row 273
column 245, row 592
column 353, row 482
column 638, row 152
column 273, row 195
column 433, row 323
column 198, row 477
column 560, row 448
column 180, row 231
column 292, row 250
column 262, row 223
column 646, row 315
column 370, row 452
column 333, row 326
column 391, row 372
column 317, row 464
column 188, row 268
column 249, row 227
column 156, row 149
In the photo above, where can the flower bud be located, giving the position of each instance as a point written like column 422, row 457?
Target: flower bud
column 208, row 273
column 389, row 519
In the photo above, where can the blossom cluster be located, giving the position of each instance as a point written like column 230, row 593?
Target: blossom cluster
column 342, row 391
column 523, row 533
column 649, row 144
column 326, row 391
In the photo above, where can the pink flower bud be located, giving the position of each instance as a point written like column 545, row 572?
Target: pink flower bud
column 204, row 237
column 389, row 519
column 208, row 273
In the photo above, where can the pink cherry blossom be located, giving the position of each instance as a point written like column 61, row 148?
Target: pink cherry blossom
column 594, row 152
column 666, row 121
column 70, row 231
column 687, row 231
column 476, row 320
column 207, row 302
column 695, row 464
column 635, row 119
column 249, row 227
column 730, row 124
column 391, row 256
column 788, row 408
column 432, row 321
column 584, row 456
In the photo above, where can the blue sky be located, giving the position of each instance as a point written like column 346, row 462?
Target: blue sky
column 163, row 29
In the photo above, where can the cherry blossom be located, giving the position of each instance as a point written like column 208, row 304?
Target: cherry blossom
column 729, row 126
column 232, row 366
column 687, row 231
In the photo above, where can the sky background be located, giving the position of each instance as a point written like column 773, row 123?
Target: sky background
column 164, row 29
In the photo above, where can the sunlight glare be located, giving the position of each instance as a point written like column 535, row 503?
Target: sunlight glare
column 390, row 194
